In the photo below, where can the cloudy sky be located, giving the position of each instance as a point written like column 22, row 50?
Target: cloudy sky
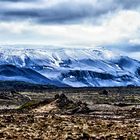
column 87, row 23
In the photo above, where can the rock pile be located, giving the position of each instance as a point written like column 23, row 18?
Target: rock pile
column 62, row 105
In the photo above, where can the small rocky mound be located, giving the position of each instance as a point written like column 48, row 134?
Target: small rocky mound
column 62, row 105
column 104, row 93
column 12, row 98
column 62, row 101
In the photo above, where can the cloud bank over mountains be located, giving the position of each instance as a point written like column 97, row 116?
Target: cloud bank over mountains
column 88, row 23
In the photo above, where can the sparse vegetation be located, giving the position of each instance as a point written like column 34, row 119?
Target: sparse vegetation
column 28, row 105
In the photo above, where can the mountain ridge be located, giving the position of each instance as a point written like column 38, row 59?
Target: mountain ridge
column 70, row 67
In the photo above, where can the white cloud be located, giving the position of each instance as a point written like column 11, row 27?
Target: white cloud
column 13, row 27
column 123, row 26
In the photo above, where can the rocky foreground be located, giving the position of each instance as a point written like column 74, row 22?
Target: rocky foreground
column 59, row 127
column 59, row 117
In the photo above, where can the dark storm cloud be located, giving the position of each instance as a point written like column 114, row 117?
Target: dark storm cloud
column 58, row 14
column 127, row 4
column 67, row 11
column 124, row 47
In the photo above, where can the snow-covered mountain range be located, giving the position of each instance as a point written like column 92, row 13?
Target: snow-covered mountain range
column 69, row 67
